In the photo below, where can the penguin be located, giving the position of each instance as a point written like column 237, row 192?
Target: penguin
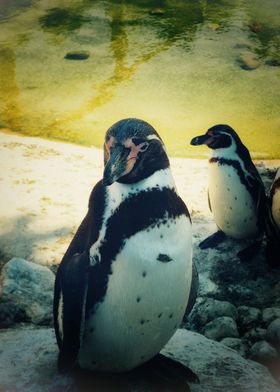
column 273, row 224
column 236, row 193
column 127, row 277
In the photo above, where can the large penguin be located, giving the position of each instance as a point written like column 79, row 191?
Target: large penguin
column 236, row 193
column 124, row 284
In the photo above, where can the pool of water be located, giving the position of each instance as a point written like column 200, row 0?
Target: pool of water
column 69, row 69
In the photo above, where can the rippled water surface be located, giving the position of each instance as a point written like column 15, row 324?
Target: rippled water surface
column 69, row 69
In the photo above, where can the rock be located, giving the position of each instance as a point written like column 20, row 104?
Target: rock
column 27, row 290
column 248, row 317
column 273, row 332
column 157, row 12
column 273, row 62
column 213, row 26
column 255, row 334
column 77, row 55
column 221, row 327
column 218, row 367
column 209, row 309
column 270, row 314
column 237, row 345
column 10, row 314
column 248, row 61
column 262, row 351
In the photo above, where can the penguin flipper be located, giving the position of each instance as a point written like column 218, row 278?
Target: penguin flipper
column 213, row 240
column 71, row 288
column 193, row 291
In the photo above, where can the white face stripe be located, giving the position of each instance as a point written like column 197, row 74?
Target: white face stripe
column 153, row 137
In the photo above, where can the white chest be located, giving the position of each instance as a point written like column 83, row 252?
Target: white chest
column 233, row 208
column 276, row 207
column 145, row 299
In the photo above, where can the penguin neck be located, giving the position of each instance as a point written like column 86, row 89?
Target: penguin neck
column 225, row 153
column 159, row 179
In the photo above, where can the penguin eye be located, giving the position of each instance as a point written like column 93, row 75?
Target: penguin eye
column 144, row 147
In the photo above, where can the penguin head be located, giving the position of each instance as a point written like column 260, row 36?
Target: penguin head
column 133, row 150
column 218, row 137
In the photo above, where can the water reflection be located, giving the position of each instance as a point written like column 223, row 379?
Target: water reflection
column 173, row 63
column 9, row 91
column 62, row 20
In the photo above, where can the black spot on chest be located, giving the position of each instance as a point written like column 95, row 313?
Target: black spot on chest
column 164, row 258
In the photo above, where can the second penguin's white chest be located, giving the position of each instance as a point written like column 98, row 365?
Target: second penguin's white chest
column 233, row 207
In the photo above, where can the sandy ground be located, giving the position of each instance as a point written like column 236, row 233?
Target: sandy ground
column 44, row 191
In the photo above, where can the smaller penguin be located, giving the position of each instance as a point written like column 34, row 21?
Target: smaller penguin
column 236, row 193
column 273, row 223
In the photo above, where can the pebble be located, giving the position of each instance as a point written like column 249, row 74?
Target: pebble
column 77, row 56
column 209, row 309
column 262, row 351
column 220, row 328
column 236, row 344
column 255, row 334
column 27, row 291
column 157, row 12
column 248, row 61
column 273, row 62
column 270, row 314
column 248, row 317
column 273, row 332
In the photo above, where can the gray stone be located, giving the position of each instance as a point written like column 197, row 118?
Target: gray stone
column 273, row 332
column 255, row 334
column 248, row 317
column 28, row 363
column 237, row 345
column 248, row 61
column 270, row 314
column 221, row 327
column 28, row 289
column 209, row 309
column 262, row 351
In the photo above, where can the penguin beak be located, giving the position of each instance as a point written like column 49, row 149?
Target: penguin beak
column 202, row 139
column 116, row 166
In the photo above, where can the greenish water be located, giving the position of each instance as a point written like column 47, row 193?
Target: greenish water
column 180, row 65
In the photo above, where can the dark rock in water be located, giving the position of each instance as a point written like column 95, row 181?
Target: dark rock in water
column 243, row 45
column 76, row 56
column 248, row 61
column 157, row 12
column 273, row 62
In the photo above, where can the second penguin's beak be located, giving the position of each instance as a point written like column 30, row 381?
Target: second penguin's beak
column 202, row 139
column 116, row 166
